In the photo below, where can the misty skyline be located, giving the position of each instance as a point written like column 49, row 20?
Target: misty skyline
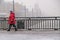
column 20, row 10
column 45, row 7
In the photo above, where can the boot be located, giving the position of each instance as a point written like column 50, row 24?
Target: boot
column 8, row 30
column 15, row 29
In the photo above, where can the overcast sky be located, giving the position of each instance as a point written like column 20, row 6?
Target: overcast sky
column 47, row 7
column 28, row 3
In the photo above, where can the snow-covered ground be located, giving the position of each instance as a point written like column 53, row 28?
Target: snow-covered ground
column 30, row 35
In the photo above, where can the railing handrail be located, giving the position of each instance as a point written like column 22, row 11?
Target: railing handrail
column 35, row 17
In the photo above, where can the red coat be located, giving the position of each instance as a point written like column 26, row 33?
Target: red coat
column 11, row 19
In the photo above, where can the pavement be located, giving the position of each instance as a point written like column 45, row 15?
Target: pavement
column 30, row 35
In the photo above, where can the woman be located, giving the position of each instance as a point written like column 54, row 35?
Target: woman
column 11, row 21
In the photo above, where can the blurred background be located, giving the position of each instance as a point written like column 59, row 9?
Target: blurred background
column 30, row 8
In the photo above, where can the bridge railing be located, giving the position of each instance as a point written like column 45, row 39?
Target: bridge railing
column 33, row 23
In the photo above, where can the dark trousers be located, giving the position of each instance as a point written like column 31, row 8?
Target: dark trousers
column 10, row 25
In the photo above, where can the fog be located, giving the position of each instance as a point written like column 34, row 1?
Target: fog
column 31, row 8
